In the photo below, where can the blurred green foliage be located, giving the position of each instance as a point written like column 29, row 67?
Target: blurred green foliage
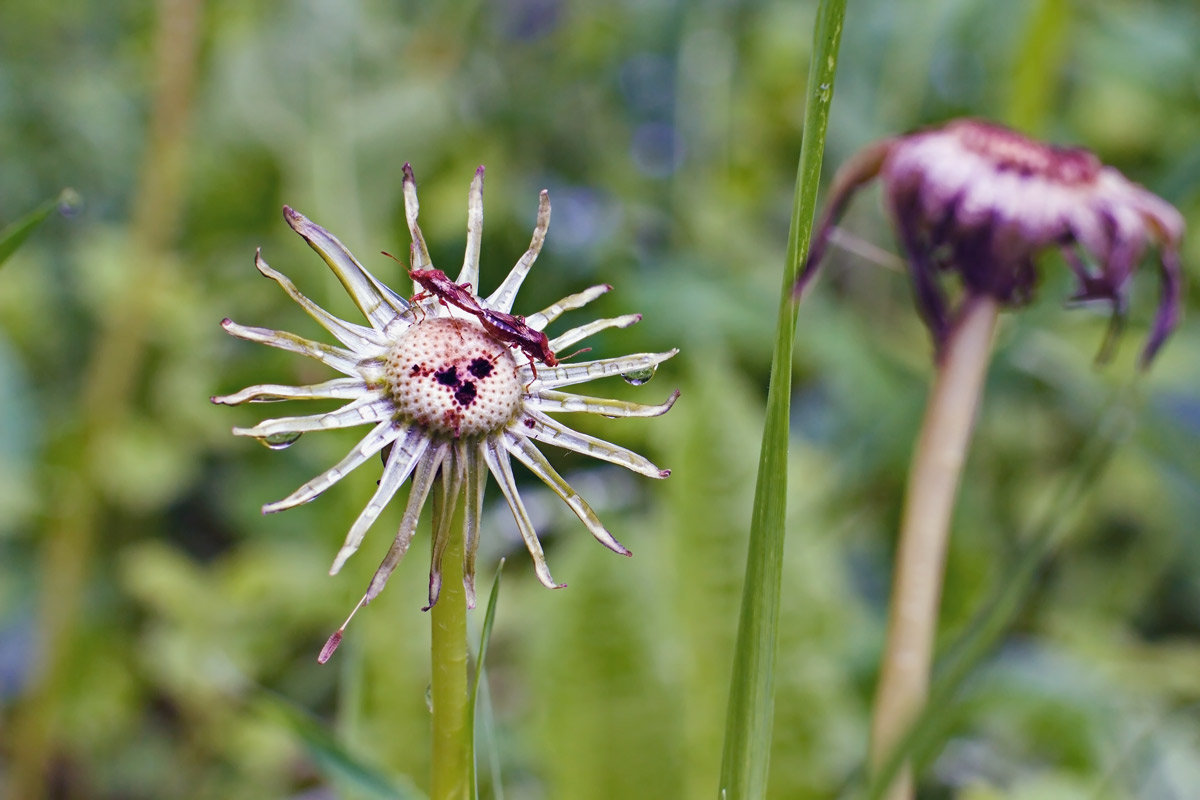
column 152, row 621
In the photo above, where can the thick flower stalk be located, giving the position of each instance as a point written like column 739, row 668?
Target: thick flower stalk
column 451, row 392
column 981, row 201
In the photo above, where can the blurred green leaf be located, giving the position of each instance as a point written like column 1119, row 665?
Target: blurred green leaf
column 15, row 234
column 332, row 759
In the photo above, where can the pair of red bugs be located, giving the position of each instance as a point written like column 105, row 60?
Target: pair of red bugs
column 506, row 327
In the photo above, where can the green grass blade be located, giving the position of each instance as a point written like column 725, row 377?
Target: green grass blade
column 751, row 694
column 15, row 234
column 1038, row 66
column 489, row 618
column 982, row 634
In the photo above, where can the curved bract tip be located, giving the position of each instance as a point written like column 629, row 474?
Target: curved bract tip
column 863, row 167
column 1169, row 304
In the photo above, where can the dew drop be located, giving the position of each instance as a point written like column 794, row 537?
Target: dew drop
column 639, row 376
column 69, row 203
column 429, row 697
column 279, row 441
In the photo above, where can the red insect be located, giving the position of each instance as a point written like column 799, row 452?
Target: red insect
column 437, row 284
column 506, row 327
column 512, row 329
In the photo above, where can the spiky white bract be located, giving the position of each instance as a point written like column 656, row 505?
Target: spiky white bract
column 448, row 403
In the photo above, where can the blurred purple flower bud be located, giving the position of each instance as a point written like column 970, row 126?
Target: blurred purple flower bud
column 981, row 200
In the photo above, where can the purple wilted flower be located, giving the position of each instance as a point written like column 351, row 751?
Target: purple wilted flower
column 445, row 393
column 981, row 200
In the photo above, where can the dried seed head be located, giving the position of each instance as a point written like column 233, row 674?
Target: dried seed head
column 449, row 376
column 448, row 399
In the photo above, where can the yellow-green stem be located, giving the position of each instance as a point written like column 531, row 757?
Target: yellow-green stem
column 451, row 733
column 925, row 531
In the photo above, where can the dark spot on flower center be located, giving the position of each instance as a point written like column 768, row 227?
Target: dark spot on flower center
column 465, row 394
column 480, row 368
column 447, row 376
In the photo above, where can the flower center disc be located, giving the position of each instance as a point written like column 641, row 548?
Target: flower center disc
column 1009, row 150
column 451, row 377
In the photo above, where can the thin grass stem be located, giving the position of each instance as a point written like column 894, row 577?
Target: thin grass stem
column 751, row 708
column 489, row 619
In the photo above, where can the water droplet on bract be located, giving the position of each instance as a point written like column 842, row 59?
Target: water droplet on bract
column 279, row 441
column 69, row 203
column 429, row 697
column 639, row 376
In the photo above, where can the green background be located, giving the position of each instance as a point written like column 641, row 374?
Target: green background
column 158, row 635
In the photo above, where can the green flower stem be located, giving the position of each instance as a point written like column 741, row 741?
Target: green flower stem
column 451, row 777
column 751, row 709
column 925, row 531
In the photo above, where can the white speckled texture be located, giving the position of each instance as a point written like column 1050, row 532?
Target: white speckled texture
column 451, row 377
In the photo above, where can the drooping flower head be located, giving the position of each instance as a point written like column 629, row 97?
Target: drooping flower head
column 981, row 200
column 451, row 389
